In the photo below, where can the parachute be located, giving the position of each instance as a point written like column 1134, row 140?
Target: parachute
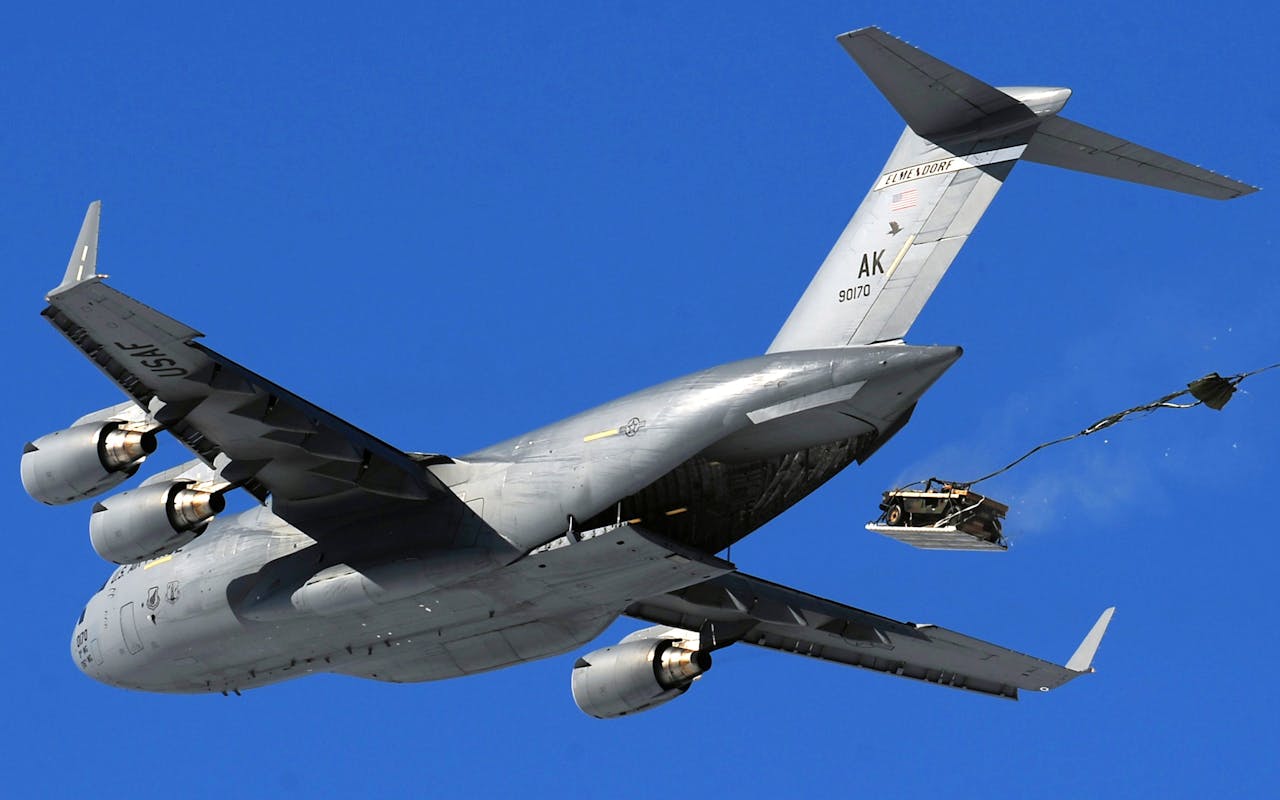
column 948, row 515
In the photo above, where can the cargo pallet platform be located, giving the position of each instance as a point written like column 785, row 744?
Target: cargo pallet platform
column 942, row 516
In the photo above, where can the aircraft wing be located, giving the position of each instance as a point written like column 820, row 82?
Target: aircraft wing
column 323, row 474
column 740, row 608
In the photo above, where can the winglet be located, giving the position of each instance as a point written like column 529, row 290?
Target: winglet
column 1082, row 659
column 84, row 258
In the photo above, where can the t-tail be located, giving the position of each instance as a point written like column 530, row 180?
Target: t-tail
column 962, row 139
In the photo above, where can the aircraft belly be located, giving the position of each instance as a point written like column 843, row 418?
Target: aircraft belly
column 437, row 656
column 554, row 599
column 557, row 598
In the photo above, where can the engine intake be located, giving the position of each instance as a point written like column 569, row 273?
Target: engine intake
column 72, row 464
column 151, row 521
column 635, row 676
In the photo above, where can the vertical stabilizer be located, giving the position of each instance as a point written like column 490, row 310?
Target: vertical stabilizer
column 962, row 139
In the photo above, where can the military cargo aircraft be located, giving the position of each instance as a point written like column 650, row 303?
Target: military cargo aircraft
column 364, row 559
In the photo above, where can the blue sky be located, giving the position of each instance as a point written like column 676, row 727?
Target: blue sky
column 451, row 226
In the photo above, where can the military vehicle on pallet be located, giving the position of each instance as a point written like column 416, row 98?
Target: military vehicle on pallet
column 942, row 516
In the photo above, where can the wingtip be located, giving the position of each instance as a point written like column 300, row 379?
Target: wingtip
column 1082, row 659
column 866, row 30
column 83, row 263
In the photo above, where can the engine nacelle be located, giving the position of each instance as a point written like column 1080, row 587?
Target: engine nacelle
column 150, row 521
column 82, row 461
column 635, row 676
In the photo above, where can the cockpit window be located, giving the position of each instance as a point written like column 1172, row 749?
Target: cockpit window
column 82, row 613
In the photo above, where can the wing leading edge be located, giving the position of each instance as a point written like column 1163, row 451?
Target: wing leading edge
column 742, row 608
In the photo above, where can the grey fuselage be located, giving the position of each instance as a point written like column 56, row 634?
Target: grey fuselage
column 702, row 461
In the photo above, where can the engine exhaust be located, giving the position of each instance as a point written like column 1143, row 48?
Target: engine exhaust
column 121, row 448
column 676, row 666
column 189, row 508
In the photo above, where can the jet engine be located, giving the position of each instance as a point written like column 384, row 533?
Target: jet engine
column 82, row 461
column 151, row 520
column 635, row 676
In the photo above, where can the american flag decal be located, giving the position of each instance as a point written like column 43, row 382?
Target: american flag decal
column 903, row 200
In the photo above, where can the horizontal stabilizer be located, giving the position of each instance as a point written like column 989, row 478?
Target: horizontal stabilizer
column 1060, row 142
column 1082, row 659
column 931, row 95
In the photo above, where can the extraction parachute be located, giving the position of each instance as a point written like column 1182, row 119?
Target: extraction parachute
column 949, row 515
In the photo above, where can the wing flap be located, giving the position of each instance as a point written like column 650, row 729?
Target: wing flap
column 742, row 608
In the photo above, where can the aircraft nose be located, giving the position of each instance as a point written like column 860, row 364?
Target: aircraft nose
column 86, row 650
column 106, row 645
column 80, row 648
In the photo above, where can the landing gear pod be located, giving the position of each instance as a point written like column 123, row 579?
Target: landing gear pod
column 86, row 460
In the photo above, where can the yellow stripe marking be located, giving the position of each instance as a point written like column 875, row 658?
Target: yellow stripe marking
column 601, row 435
column 675, row 511
column 157, row 561
column 901, row 255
